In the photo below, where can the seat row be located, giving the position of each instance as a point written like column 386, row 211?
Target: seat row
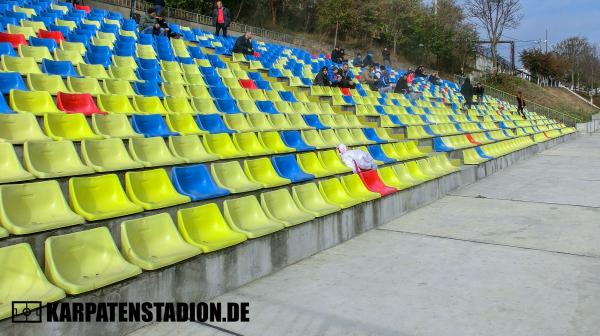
column 451, row 143
column 436, row 130
column 481, row 154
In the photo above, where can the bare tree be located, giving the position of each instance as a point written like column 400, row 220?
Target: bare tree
column 578, row 52
column 495, row 16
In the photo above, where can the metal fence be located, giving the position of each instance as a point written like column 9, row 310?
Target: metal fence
column 181, row 14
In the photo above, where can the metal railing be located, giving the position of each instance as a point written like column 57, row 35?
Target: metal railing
column 548, row 112
column 184, row 15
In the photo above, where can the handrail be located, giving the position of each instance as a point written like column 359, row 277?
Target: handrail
column 548, row 112
column 184, row 15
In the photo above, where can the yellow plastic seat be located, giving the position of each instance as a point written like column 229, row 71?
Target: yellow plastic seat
column 190, row 149
column 170, row 66
column 205, row 228
column 280, row 122
column 35, row 207
column 346, row 137
column 104, row 42
column 272, row 140
column 280, row 205
column 360, row 136
column 53, row 159
column 330, row 159
column 184, row 124
column 65, row 23
column 37, row 53
column 205, row 106
column 231, row 176
column 404, row 175
column 35, row 102
column 11, row 169
column 98, row 262
column 69, row 55
column 124, row 62
column 427, row 169
column 189, row 68
column 309, row 199
column 118, row 86
column 49, row 83
column 145, row 51
column 237, row 122
column 148, row 105
column 77, row 47
column 355, row 188
column 93, row 70
column 113, row 126
column 330, row 138
column 245, row 215
column 310, row 163
column 100, row 197
column 18, row 128
column 334, row 192
column 22, row 279
column 248, row 143
column 172, row 77
column 262, row 171
column 152, row 152
column 153, row 242
column 122, row 73
column 152, row 189
column 107, row 155
column 417, row 173
column 222, row 146
column 248, row 106
column 313, row 138
column 199, row 91
column 174, row 90
column 178, row 105
column 27, row 11
column 84, row 85
column 25, row 31
column 259, row 121
column 390, row 178
column 115, row 103
column 298, row 122
column 72, row 127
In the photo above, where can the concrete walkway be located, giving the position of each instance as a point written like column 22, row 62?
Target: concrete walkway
column 515, row 254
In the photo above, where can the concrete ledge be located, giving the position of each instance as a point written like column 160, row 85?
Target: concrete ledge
column 209, row 275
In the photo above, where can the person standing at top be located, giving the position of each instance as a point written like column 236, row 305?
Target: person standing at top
column 467, row 92
column 521, row 104
column 368, row 60
column 385, row 54
column 158, row 6
column 354, row 158
column 479, row 92
column 221, row 18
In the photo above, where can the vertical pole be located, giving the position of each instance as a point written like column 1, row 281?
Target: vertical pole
column 512, row 56
column 337, row 24
column 546, row 40
column 435, row 7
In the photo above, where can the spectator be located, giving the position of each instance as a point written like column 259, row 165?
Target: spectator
column 335, row 77
column 148, row 21
column 356, row 158
column 344, row 56
column 385, row 54
column 479, row 91
column 346, row 80
column 467, row 92
column 368, row 79
column 158, row 6
column 336, row 55
column 521, row 104
column 357, row 61
column 322, row 78
column 243, row 44
column 221, row 18
column 402, row 84
column 420, row 72
column 383, row 80
column 410, row 75
column 434, row 79
column 368, row 60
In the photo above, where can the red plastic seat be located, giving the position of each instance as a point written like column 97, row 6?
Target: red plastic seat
column 77, row 103
column 372, row 181
column 248, row 84
column 346, row 91
column 87, row 9
column 55, row 35
column 14, row 39
column 471, row 140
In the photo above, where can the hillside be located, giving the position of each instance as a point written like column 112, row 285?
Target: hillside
column 555, row 98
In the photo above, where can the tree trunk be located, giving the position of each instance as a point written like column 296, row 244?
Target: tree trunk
column 237, row 16
column 273, row 12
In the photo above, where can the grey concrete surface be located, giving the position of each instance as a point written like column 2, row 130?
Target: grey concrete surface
column 527, row 263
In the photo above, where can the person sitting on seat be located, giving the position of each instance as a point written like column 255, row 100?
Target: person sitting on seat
column 356, row 158
column 435, row 79
column 346, row 81
column 357, row 61
column 337, row 56
column 243, row 45
column 322, row 78
column 148, row 21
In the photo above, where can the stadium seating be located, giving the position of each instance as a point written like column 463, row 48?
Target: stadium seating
column 153, row 242
column 222, row 146
column 77, row 103
column 231, row 176
column 205, row 228
column 114, row 126
column 355, row 188
column 287, row 167
column 334, row 192
column 280, row 205
column 36, row 102
column 246, row 216
column 72, row 127
column 11, row 169
column 262, row 171
column 46, row 159
column 310, row 200
column 98, row 261
column 18, row 128
column 196, row 183
column 152, row 189
column 107, row 155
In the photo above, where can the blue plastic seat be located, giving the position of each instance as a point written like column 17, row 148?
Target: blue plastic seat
column 110, row 28
column 151, row 75
column 219, row 92
column 7, row 49
column 102, row 58
column 4, row 108
column 146, row 39
column 148, row 64
column 166, row 55
column 10, row 81
column 263, row 85
column 196, row 182
column 88, row 27
column 378, row 154
column 313, row 120
column 294, row 139
column 371, row 135
column 63, row 29
column 212, row 123
column 148, row 89
column 228, row 106
column 213, row 81
column 349, row 100
column 151, row 125
column 255, row 76
column 124, row 51
column 72, row 37
column 5, row 21
column 43, row 42
column 185, row 60
column 288, row 96
column 266, row 106
column 287, row 167
column 276, row 73
column 61, row 68
column 196, row 52
column 216, row 62
column 17, row 15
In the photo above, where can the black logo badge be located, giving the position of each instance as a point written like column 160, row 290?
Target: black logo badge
column 27, row 312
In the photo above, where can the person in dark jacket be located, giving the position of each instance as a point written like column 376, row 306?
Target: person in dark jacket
column 420, row 72
column 434, row 79
column 385, row 54
column 402, row 85
column 479, row 91
column 357, row 61
column 467, row 92
column 221, row 19
column 521, row 104
column 368, row 60
column 346, row 80
column 335, row 77
column 322, row 78
column 158, row 6
column 336, row 55
column 243, row 45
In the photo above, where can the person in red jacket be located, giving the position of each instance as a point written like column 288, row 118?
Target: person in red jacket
column 221, row 18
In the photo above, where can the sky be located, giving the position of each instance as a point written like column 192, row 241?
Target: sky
column 562, row 18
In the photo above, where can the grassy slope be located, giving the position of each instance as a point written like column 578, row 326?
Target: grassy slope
column 556, row 98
